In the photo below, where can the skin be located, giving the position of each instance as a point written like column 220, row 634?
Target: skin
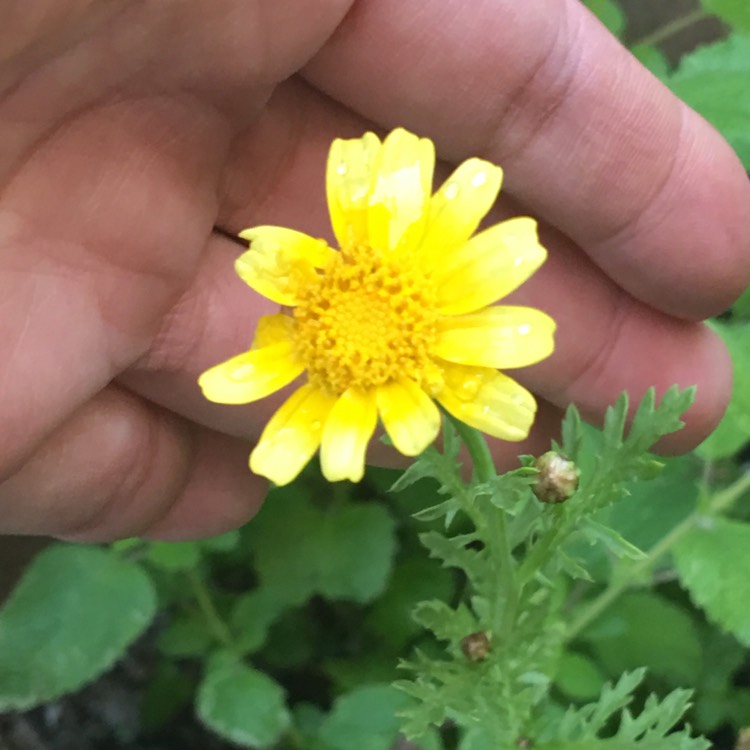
column 131, row 130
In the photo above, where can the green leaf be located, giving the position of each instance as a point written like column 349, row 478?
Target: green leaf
column 735, row 12
column 414, row 580
column 223, row 543
column 712, row 563
column 344, row 552
column 579, row 677
column 614, row 542
column 366, row 719
column 652, row 58
column 734, row 429
column 168, row 693
column 652, row 509
column 609, row 13
column 241, row 704
column 715, row 80
column 185, row 637
column 579, row 728
column 174, row 556
column 643, row 628
column 70, row 618
column 251, row 617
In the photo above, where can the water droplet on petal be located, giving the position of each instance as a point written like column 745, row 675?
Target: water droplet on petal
column 524, row 330
column 479, row 179
column 316, row 425
column 243, row 372
column 470, row 388
column 341, row 168
column 451, row 190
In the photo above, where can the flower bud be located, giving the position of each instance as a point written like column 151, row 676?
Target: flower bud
column 557, row 479
column 476, row 646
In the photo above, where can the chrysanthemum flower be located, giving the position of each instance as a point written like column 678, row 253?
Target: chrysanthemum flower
column 397, row 319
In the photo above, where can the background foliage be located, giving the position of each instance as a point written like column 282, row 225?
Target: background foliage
column 288, row 632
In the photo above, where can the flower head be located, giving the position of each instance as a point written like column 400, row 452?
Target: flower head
column 400, row 317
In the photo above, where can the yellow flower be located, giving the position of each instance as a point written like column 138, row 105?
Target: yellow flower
column 399, row 318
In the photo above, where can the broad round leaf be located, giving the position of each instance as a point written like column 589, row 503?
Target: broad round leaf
column 70, row 618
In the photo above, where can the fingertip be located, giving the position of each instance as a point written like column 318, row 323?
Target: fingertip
column 712, row 395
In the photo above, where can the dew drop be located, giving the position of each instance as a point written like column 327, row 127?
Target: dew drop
column 451, row 190
column 479, row 179
column 341, row 168
column 243, row 372
column 524, row 330
column 470, row 388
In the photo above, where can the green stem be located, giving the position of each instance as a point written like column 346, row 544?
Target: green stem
column 671, row 28
column 481, row 458
column 213, row 619
column 507, row 590
column 720, row 502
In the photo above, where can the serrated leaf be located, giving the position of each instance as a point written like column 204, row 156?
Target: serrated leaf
column 650, row 729
column 242, row 704
column 711, row 562
column 344, row 552
column 571, row 433
column 734, row 429
column 734, row 12
column 715, row 81
column 365, row 718
column 446, row 623
column 614, row 542
column 70, row 618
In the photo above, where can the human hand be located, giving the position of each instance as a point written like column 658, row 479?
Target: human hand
column 130, row 131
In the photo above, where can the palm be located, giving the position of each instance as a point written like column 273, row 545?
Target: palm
column 130, row 132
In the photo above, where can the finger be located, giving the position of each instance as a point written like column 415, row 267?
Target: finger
column 593, row 314
column 119, row 468
column 607, row 342
column 100, row 230
column 587, row 137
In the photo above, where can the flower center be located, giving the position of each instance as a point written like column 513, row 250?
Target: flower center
column 366, row 320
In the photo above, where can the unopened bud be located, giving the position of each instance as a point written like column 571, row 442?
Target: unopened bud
column 557, row 479
column 476, row 646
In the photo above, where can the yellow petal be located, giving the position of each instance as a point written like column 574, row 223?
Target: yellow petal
column 488, row 401
column 409, row 415
column 277, row 259
column 489, row 266
column 501, row 337
column 292, row 435
column 346, row 433
column 458, row 207
column 273, row 329
column 400, row 194
column 349, row 180
column 252, row 375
